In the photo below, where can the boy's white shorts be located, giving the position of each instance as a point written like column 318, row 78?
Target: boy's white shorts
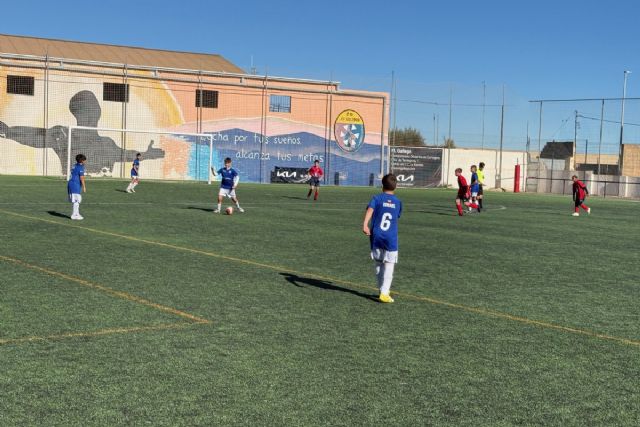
column 75, row 198
column 227, row 192
column 381, row 255
column 474, row 194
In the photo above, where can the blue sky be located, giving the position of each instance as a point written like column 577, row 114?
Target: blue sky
column 541, row 49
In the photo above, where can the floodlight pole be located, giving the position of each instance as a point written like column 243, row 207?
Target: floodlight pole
column 624, row 95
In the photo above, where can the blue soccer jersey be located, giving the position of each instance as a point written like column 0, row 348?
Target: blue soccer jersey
column 475, row 185
column 387, row 208
column 74, row 186
column 228, row 177
column 134, row 169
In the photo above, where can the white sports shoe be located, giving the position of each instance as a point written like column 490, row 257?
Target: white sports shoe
column 77, row 217
column 588, row 211
column 575, row 214
column 129, row 190
column 240, row 209
column 216, row 211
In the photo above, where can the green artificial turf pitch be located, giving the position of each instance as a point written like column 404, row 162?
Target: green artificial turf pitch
column 155, row 311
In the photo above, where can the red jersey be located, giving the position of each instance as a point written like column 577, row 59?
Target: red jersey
column 579, row 190
column 463, row 187
column 316, row 172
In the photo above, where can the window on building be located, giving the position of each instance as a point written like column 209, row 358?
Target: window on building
column 115, row 92
column 280, row 104
column 207, row 98
column 20, row 85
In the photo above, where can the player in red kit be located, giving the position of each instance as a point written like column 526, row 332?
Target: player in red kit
column 314, row 182
column 580, row 193
column 463, row 193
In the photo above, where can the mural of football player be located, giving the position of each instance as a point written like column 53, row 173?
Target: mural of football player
column 102, row 152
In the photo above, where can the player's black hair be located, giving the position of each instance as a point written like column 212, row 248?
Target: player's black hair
column 138, row 155
column 227, row 160
column 459, row 170
column 481, row 164
column 474, row 166
column 80, row 158
column 316, row 161
column 574, row 176
column 389, row 182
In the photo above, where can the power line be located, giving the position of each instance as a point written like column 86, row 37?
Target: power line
column 608, row 121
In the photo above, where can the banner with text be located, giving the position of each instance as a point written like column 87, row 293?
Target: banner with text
column 417, row 166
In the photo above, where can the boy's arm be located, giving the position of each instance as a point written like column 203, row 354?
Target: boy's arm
column 84, row 188
column 236, row 179
column 365, row 224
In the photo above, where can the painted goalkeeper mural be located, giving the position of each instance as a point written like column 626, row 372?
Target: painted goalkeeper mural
column 245, row 122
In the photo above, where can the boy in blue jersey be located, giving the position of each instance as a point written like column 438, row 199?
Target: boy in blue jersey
column 135, row 174
column 381, row 224
column 475, row 188
column 76, row 186
column 229, row 179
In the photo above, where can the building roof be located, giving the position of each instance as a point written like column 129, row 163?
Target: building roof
column 24, row 45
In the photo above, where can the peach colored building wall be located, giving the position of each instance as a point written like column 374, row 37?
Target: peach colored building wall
column 32, row 127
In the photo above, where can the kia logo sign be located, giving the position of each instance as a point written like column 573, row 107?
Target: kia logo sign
column 287, row 174
column 403, row 178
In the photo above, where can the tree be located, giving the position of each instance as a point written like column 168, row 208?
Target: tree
column 449, row 143
column 408, row 137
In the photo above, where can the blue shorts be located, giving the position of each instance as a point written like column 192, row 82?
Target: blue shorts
column 314, row 182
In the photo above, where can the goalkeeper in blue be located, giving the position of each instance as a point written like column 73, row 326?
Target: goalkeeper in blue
column 381, row 225
column 229, row 179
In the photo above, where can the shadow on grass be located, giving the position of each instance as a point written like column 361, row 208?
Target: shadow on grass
column 300, row 281
column 197, row 208
column 452, row 212
column 294, row 197
column 58, row 214
column 120, row 190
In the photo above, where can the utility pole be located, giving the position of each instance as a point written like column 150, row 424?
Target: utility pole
column 450, row 105
column 484, row 102
column 499, row 174
column 575, row 138
column 600, row 141
column 624, row 95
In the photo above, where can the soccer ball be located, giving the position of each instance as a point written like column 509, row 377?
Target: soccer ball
column 229, row 211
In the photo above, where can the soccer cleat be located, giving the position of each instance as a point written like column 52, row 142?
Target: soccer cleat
column 588, row 211
column 385, row 298
column 129, row 190
column 216, row 211
column 240, row 209
column 575, row 214
column 77, row 217
column 133, row 191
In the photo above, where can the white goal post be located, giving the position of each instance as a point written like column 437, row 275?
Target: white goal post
column 97, row 143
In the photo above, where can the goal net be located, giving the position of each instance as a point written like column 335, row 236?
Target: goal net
column 165, row 154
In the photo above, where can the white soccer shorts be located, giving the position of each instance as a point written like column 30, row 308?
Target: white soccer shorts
column 75, row 198
column 381, row 255
column 227, row 192
column 474, row 194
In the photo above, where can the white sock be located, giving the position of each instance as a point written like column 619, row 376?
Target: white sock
column 129, row 187
column 379, row 274
column 387, row 278
column 134, row 185
column 76, row 209
column 238, row 205
column 219, row 206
